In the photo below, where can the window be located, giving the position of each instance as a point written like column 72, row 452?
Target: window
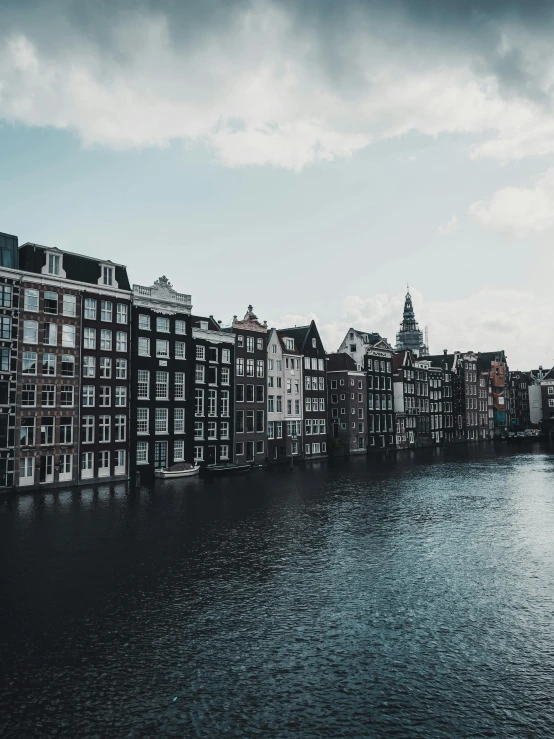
column 143, row 383
column 240, row 367
column 162, row 324
column 28, row 395
column 289, row 344
column 142, row 452
column 50, row 302
column 178, row 450
column 87, row 430
column 259, row 447
column 224, row 454
column 104, row 429
column 106, row 310
column 259, row 421
column 179, row 386
column 198, row 402
column 30, row 331
column 225, row 376
column 198, row 453
column 203, row 325
column 200, row 373
column 66, row 396
column 225, row 429
column 107, row 275
column 29, row 366
column 250, row 368
column 68, row 364
column 212, row 402
column 48, row 396
column 120, row 396
column 180, row 326
column 212, row 354
column 212, row 430
column 250, row 393
column 249, row 421
column 68, row 335
column 239, row 448
column 53, row 264
column 89, row 338
column 162, row 348
column 160, row 420
column 144, row 347
column 26, row 470
column 121, row 341
column 30, row 299
column 6, row 292
column 106, row 339
column 69, row 306
column 27, row 432
column 144, row 322
column 314, row 344
column 260, row 368
column 162, row 385
column 90, row 309
column 88, row 395
column 122, row 311
column 240, row 340
column 179, row 420
column 200, row 353
column 226, row 356
column 249, row 343
column 179, row 350
column 142, row 420
column 120, row 428
column 105, row 367
column 279, row 403
column 89, row 366
column 198, row 430
column 47, row 430
column 6, row 327
column 239, row 422
column 212, row 375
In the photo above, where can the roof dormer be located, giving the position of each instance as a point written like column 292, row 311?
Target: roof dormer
column 53, row 263
column 107, row 275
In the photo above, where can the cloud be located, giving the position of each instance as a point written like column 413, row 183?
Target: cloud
column 520, row 322
column 449, row 228
column 280, row 83
column 519, row 211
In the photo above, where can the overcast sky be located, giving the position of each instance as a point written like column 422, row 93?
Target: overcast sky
column 307, row 157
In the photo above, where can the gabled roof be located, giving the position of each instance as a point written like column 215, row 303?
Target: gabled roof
column 298, row 333
column 213, row 325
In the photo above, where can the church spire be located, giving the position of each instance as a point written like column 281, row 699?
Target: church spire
column 409, row 336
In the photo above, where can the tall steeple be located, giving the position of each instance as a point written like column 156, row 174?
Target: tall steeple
column 409, row 336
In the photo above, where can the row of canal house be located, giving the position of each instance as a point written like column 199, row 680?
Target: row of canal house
column 99, row 380
column 531, row 400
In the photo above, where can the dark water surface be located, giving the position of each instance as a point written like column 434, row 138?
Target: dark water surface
column 406, row 598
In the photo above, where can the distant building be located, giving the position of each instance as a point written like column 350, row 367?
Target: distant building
column 519, row 384
column 162, row 388
column 304, row 342
column 547, row 391
column 410, row 337
column 72, row 407
column 250, row 390
column 347, row 394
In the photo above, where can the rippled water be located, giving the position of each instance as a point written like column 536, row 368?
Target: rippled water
column 406, row 598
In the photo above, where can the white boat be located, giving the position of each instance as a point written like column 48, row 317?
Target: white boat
column 183, row 469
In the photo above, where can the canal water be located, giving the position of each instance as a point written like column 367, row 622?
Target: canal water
column 412, row 597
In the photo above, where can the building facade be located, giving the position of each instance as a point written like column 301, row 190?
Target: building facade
column 72, row 403
column 214, row 380
column 347, row 405
column 250, row 389
column 162, row 380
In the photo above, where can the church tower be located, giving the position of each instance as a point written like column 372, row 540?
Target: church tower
column 409, row 336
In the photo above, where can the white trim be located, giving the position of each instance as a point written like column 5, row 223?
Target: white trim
column 215, row 337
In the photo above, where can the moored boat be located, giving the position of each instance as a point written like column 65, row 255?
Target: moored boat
column 183, row 469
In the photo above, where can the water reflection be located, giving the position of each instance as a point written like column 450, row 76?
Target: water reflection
column 404, row 597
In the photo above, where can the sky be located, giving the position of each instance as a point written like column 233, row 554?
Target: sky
column 310, row 158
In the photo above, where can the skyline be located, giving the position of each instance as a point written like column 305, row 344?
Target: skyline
column 358, row 149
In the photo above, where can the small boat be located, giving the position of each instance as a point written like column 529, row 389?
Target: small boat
column 227, row 469
column 183, row 469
